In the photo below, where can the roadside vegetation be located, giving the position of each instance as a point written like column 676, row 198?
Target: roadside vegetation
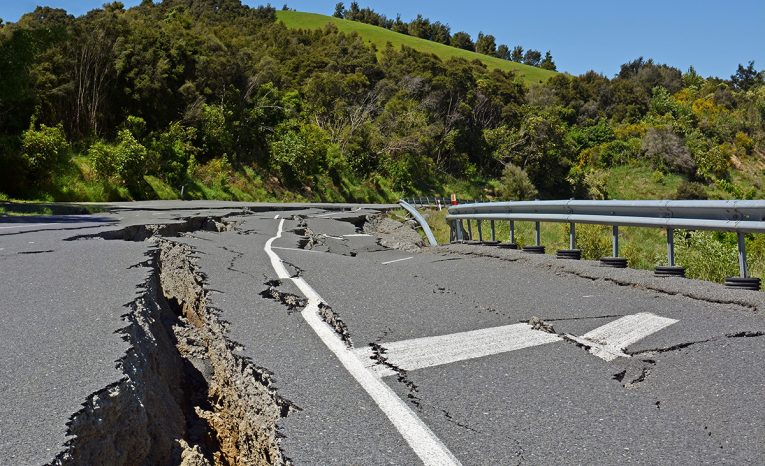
column 211, row 99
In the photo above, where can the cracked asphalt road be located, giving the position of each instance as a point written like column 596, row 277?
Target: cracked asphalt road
column 690, row 393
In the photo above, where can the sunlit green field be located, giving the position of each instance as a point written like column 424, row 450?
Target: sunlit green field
column 381, row 36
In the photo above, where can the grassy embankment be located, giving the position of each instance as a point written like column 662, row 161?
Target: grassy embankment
column 381, row 36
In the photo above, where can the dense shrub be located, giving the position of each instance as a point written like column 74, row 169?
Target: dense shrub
column 42, row 149
column 706, row 255
column 593, row 240
column 516, row 184
column 175, row 151
column 126, row 158
column 666, row 150
column 688, row 190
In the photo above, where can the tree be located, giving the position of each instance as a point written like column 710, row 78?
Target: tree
column 462, row 40
column 532, row 57
column 400, row 26
column 547, row 62
column 440, row 33
column 42, row 149
column 747, row 77
column 486, row 44
column 517, row 54
column 516, row 184
column 503, row 52
column 339, row 10
column 692, row 78
column 420, row 27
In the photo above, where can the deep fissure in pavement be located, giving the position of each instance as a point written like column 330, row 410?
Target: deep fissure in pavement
column 186, row 397
column 166, row 230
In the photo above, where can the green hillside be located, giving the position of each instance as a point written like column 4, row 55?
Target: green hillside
column 381, row 36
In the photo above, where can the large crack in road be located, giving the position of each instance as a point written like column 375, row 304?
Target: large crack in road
column 186, row 397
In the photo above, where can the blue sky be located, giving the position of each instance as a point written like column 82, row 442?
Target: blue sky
column 713, row 36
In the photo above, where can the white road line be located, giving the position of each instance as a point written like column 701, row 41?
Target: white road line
column 609, row 341
column 295, row 249
column 444, row 349
column 31, row 225
column 397, row 260
column 329, row 214
column 419, row 437
column 356, row 235
column 276, row 216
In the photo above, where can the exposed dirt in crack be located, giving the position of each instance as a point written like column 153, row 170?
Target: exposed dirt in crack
column 292, row 301
column 540, row 325
column 333, row 320
column 166, row 230
column 186, row 397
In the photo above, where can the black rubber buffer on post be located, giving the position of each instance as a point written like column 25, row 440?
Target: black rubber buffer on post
column 574, row 254
column 667, row 271
column 613, row 262
column 741, row 283
column 507, row 246
column 534, row 249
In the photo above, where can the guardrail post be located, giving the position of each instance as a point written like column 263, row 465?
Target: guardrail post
column 670, row 270
column 537, row 248
column 571, row 252
column 469, row 230
column 493, row 232
column 744, row 282
column 480, row 230
column 614, row 261
column 460, row 231
column 743, row 271
column 671, row 247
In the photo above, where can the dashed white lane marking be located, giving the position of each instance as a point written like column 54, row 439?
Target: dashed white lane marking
column 31, row 225
column 397, row 260
column 444, row 349
column 419, row 437
column 276, row 216
column 609, row 341
column 356, row 235
column 329, row 214
column 295, row 249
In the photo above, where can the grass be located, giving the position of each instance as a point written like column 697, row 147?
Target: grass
column 381, row 36
column 638, row 181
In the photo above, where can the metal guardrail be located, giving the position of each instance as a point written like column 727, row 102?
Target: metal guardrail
column 421, row 220
column 739, row 217
column 435, row 201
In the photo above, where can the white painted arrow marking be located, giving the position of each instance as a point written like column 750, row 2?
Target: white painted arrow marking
column 444, row 349
column 609, row 341
column 606, row 342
